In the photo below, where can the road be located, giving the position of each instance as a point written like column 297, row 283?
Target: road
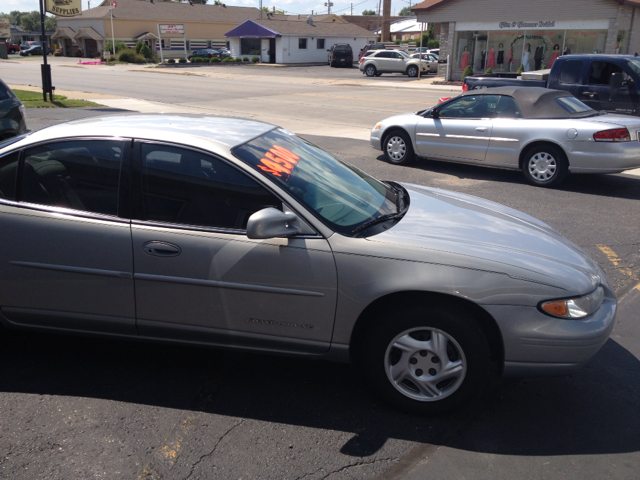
column 87, row 408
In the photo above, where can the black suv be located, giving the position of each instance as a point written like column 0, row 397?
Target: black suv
column 340, row 54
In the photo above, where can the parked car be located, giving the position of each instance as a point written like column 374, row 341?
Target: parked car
column 224, row 52
column 234, row 233
column 340, row 54
column 391, row 61
column 205, row 53
column 12, row 48
column 12, row 114
column 431, row 60
column 544, row 133
column 29, row 44
column 369, row 47
column 604, row 82
column 35, row 50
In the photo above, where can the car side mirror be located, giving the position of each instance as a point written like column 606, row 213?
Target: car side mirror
column 616, row 81
column 272, row 223
column 435, row 113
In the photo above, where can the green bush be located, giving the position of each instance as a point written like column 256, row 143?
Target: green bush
column 520, row 69
column 467, row 71
column 196, row 60
column 182, row 60
column 238, row 60
column 120, row 45
column 145, row 51
column 488, row 71
column 245, row 59
column 57, row 53
column 214, row 60
column 228, row 59
column 255, row 59
column 139, row 46
column 433, row 44
column 126, row 55
column 171, row 60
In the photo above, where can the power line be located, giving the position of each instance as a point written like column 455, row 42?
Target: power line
column 355, row 5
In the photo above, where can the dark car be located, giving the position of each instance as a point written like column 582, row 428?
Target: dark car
column 205, row 53
column 340, row 54
column 35, row 50
column 29, row 44
column 12, row 120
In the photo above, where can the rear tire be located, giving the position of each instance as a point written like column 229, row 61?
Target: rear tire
column 412, row 71
column 426, row 361
column 545, row 165
column 370, row 71
column 397, row 148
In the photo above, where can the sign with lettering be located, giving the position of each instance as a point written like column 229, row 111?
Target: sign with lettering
column 171, row 29
column 541, row 24
column 531, row 25
column 5, row 28
column 64, row 8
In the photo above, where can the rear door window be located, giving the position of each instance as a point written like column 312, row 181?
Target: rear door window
column 570, row 72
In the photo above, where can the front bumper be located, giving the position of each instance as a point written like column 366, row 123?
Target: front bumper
column 375, row 140
column 536, row 344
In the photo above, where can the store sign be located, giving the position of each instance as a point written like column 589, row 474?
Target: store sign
column 5, row 28
column 64, row 8
column 531, row 25
column 548, row 24
column 171, row 29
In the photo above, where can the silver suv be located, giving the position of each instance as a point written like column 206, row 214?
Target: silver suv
column 391, row 61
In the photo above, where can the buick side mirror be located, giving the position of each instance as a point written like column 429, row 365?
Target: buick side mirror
column 272, row 223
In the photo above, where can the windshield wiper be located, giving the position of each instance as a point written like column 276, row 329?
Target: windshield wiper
column 380, row 219
column 402, row 206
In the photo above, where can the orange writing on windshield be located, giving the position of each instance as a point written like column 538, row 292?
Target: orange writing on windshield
column 279, row 161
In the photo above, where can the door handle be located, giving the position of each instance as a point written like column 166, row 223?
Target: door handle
column 589, row 94
column 481, row 129
column 161, row 249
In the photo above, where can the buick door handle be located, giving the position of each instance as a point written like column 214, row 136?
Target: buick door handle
column 589, row 94
column 481, row 129
column 161, row 249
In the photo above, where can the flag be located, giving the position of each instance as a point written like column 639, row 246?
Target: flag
column 115, row 3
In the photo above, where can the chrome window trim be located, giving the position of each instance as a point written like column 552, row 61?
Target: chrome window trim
column 64, row 211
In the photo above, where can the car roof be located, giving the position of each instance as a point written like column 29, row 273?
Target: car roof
column 206, row 131
column 534, row 102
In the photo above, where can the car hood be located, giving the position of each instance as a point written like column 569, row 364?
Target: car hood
column 466, row 231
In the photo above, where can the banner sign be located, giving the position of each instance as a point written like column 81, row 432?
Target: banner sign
column 64, row 8
column 5, row 28
column 171, row 29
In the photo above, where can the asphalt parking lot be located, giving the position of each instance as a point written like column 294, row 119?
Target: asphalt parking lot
column 86, row 408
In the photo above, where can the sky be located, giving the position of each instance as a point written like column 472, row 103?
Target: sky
column 289, row 6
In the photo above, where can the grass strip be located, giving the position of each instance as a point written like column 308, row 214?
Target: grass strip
column 34, row 100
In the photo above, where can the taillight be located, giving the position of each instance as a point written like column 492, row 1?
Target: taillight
column 465, row 87
column 613, row 135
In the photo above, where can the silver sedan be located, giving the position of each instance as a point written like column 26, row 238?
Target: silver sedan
column 238, row 234
column 544, row 133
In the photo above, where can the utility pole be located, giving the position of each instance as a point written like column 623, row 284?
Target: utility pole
column 379, row 17
column 328, row 5
column 386, row 27
column 352, row 9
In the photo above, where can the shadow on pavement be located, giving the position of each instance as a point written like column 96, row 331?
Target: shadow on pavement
column 595, row 411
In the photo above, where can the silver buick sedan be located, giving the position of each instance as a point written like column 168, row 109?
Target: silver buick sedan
column 544, row 133
column 239, row 234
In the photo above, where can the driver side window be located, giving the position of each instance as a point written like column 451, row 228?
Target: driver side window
column 476, row 106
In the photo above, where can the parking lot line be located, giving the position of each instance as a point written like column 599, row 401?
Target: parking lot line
column 615, row 259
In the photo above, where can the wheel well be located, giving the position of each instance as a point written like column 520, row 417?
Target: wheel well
column 391, row 130
column 396, row 300
column 539, row 143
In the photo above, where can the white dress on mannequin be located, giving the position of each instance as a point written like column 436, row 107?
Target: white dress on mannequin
column 525, row 61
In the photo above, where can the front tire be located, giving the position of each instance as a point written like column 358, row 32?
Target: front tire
column 412, row 71
column 425, row 360
column 545, row 166
column 398, row 148
column 370, row 71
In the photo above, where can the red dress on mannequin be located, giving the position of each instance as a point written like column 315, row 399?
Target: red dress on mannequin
column 491, row 62
column 465, row 60
column 554, row 55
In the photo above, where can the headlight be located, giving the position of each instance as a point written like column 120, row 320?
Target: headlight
column 577, row 307
column 22, row 111
column 378, row 125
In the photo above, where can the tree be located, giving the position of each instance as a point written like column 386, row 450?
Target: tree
column 50, row 23
column 406, row 12
column 30, row 21
column 271, row 10
column 369, row 12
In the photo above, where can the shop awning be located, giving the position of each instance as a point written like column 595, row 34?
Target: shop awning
column 251, row 29
column 87, row 32
column 146, row 36
column 63, row 32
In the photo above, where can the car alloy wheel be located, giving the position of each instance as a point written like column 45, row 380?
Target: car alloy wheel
column 425, row 364
column 412, row 71
column 398, row 149
column 370, row 71
column 545, row 166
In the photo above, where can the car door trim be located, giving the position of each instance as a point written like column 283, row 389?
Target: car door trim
column 504, row 139
column 68, row 268
column 471, row 137
column 228, row 285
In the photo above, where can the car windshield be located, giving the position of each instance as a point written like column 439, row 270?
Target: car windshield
column 404, row 54
column 340, row 195
column 635, row 66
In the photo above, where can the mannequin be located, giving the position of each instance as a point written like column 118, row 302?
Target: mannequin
column 500, row 59
column 464, row 60
column 491, row 63
column 555, row 54
column 537, row 57
column 525, row 58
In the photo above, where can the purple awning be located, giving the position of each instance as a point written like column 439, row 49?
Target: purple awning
column 251, row 29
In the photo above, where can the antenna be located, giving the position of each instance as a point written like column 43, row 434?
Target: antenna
column 328, row 5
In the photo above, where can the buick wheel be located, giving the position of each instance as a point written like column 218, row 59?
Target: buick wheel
column 398, row 148
column 425, row 360
column 545, row 166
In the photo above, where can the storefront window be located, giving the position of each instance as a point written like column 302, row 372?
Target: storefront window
column 250, row 46
column 585, row 41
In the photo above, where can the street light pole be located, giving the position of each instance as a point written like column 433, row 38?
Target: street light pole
column 45, row 69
